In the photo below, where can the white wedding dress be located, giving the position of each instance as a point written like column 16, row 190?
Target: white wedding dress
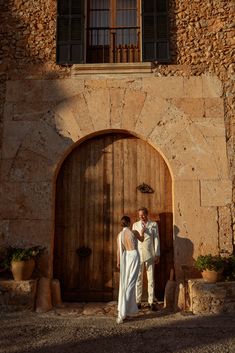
column 129, row 269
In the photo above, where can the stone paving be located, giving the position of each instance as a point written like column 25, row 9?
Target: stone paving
column 88, row 328
column 101, row 309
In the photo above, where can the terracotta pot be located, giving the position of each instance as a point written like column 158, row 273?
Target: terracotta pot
column 22, row 270
column 211, row 276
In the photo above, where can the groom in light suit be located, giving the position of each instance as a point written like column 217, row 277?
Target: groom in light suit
column 149, row 255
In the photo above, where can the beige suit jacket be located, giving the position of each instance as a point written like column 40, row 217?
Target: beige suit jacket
column 150, row 247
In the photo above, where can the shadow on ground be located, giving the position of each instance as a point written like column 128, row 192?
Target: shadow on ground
column 50, row 333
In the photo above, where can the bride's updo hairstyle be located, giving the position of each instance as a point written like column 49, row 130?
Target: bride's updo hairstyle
column 125, row 221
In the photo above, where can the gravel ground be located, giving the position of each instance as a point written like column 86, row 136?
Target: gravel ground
column 159, row 332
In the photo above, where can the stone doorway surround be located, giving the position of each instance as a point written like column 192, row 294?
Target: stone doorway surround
column 181, row 117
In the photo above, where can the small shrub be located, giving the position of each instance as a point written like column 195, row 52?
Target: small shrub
column 20, row 254
column 209, row 262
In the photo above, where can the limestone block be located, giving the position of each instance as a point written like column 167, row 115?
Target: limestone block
column 214, row 108
column 116, row 106
column 30, row 110
column 216, row 192
column 193, row 87
column 169, row 296
column 225, row 230
column 56, row 293
column 66, row 122
column 4, row 232
column 173, row 121
column 211, row 298
column 196, row 228
column 132, row 106
column 188, row 152
column 210, row 127
column 24, row 90
column 46, row 141
column 76, row 108
column 14, row 133
column 211, row 86
column 97, row 83
column 98, row 103
column 43, row 298
column 130, row 83
column 35, row 231
column 217, row 145
column 192, row 107
column 164, row 87
column 8, row 111
column 20, row 294
column 37, row 168
column 58, row 90
column 180, row 297
column 151, row 115
column 26, row 200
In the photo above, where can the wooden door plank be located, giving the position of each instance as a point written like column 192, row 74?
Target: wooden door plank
column 107, row 206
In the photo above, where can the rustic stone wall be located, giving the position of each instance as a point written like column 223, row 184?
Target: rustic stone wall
column 202, row 40
column 18, row 295
column 211, row 298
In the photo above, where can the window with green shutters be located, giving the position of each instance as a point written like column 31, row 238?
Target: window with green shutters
column 112, row 31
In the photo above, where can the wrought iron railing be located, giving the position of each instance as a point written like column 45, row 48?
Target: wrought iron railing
column 114, row 45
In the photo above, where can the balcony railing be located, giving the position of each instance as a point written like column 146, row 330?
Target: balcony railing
column 113, row 45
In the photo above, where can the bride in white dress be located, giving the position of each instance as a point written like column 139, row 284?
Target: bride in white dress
column 128, row 260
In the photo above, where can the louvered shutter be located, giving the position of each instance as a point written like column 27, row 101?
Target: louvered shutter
column 70, row 32
column 155, row 31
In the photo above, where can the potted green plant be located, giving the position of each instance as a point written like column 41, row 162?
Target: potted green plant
column 210, row 266
column 21, row 261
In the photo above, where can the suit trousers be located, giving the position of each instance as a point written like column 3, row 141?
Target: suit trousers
column 149, row 265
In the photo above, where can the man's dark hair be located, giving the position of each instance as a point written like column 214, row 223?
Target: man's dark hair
column 125, row 221
column 143, row 209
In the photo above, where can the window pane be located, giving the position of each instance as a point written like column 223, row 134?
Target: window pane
column 126, row 18
column 63, row 29
column 99, row 19
column 63, row 53
column 63, row 7
column 99, row 4
column 76, row 29
column 126, row 4
column 161, row 27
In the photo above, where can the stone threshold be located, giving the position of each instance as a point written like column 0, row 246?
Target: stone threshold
column 110, row 68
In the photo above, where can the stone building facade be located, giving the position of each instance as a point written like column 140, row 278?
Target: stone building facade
column 183, row 109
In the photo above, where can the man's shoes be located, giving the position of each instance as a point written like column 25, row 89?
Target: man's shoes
column 152, row 307
column 139, row 305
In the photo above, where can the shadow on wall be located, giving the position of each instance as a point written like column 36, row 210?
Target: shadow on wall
column 184, row 250
column 28, row 53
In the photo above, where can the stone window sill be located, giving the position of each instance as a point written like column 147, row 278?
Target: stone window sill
column 121, row 68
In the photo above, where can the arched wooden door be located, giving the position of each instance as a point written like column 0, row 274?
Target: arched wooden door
column 96, row 185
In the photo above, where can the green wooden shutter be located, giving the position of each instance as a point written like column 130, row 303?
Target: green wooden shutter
column 70, row 32
column 155, row 31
